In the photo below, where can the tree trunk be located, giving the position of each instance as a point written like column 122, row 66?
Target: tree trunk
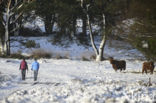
column 101, row 49
column 84, row 25
column 52, row 22
column 6, row 34
column 16, row 24
column 7, row 42
column 1, row 46
column 6, row 38
column 48, row 24
column 102, row 44
column 91, row 36
column 74, row 26
column 98, row 52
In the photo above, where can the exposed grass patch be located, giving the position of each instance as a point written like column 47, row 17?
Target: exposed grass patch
column 66, row 56
column 41, row 54
column 136, row 72
column 85, row 58
column 93, row 57
column 58, row 56
column 17, row 55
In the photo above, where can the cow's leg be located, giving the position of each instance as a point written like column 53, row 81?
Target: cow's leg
column 146, row 71
column 143, row 70
column 115, row 67
column 120, row 69
column 152, row 71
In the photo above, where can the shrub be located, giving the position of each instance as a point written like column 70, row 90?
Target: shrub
column 93, row 57
column 142, row 36
column 16, row 55
column 31, row 44
column 58, row 56
column 83, row 39
column 150, row 50
column 30, row 32
column 41, row 54
column 66, row 56
column 85, row 58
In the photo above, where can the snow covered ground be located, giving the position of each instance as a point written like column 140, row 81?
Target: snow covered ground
column 114, row 48
column 67, row 81
column 76, row 81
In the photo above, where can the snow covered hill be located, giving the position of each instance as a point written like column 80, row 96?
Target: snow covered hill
column 113, row 48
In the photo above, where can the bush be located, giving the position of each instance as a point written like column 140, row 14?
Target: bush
column 83, row 39
column 58, row 56
column 85, row 58
column 30, row 32
column 41, row 54
column 150, row 49
column 31, row 44
column 93, row 57
column 17, row 55
column 142, row 36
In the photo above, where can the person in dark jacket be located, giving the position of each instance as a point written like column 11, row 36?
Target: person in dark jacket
column 23, row 68
column 35, row 68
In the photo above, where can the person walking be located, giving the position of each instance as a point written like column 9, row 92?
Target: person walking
column 23, row 67
column 35, row 68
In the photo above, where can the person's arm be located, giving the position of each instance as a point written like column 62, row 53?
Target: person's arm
column 20, row 67
column 32, row 66
column 26, row 66
column 38, row 66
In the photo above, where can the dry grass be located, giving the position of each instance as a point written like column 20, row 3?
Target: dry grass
column 85, row 58
column 41, row 54
column 93, row 57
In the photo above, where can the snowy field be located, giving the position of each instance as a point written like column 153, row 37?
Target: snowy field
column 76, row 81
column 67, row 81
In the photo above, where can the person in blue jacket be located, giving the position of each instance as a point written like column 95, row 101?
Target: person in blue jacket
column 35, row 68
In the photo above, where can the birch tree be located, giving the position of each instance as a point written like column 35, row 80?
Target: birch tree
column 98, row 51
column 108, row 12
column 9, row 12
column 1, row 25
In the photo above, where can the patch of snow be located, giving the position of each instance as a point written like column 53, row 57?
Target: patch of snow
column 117, row 49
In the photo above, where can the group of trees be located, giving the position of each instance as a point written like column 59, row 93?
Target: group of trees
column 11, row 10
column 143, row 32
column 105, row 14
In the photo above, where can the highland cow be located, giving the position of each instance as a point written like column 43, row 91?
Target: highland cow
column 118, row 65
column 148, row 66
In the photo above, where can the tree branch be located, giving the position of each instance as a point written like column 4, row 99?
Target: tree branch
column 8, row 6
column 3, row 23
column 15, row 6
column 14, row 29
column 90, row 28
column 21, row 13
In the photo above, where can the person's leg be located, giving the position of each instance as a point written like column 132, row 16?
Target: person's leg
column 35, row 75
column 24, row 72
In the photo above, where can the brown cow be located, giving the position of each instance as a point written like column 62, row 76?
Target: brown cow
column 116, row 64
column 148, row 66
